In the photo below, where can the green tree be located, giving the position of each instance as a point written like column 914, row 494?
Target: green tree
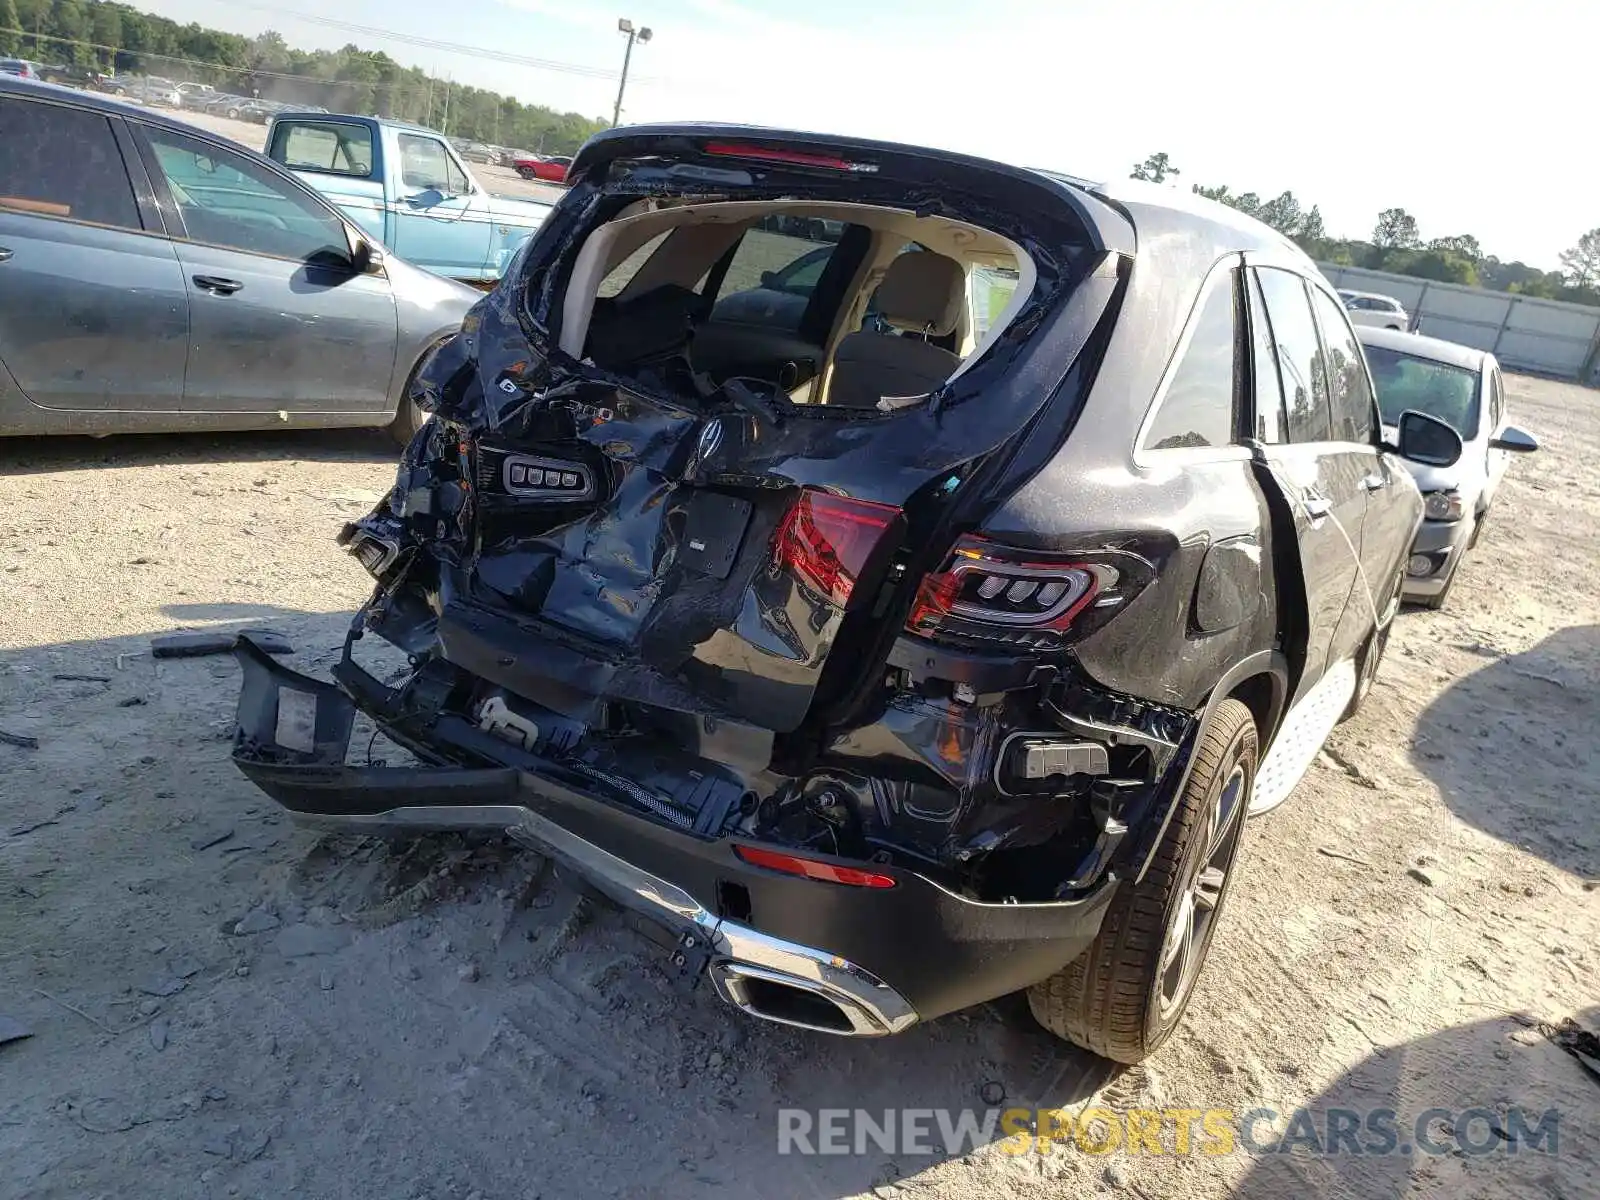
column 1282, row 212
column 1463, row 245
column 1155, row 169
column 1396, row 230
column 10, row 42
column 1581, row 264
column 69, row 23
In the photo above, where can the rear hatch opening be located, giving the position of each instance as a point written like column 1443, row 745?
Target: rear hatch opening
column 694, row 467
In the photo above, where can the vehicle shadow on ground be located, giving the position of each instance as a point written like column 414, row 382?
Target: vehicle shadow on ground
column 1479, row 1073
column 1512, row 749
column 131, row 768
column 37, row 455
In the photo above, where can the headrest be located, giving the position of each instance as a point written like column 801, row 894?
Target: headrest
column 922, row 291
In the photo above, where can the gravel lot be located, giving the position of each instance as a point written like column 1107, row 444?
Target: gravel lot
column 222, row 1005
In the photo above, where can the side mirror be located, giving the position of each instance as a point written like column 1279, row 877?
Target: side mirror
column 367, row 258
column 1516, row 440
column 426, row 198
column 1428, row 440
column 768, row 278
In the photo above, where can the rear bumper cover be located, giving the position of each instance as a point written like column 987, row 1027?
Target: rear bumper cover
column 886, row 956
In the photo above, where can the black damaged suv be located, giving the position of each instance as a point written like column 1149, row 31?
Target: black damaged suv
column 896, row 574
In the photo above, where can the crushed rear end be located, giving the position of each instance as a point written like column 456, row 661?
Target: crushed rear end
column 744, row 661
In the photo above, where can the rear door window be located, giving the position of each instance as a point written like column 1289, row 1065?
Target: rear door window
column 1200, row 404
column 332, row 147
column 1349, row 390
column 1294, row 336
column 770, row 278
column 1271, row 425
column 63, row 162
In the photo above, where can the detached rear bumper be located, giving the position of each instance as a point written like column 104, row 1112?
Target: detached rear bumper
column 851, row 960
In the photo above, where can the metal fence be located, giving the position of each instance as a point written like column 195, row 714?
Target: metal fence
column 1546, row 337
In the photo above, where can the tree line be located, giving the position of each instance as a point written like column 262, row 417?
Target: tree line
column 1396, row 244
column 98, row 35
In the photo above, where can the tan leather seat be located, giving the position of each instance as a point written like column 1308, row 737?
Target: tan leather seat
column 921, row 294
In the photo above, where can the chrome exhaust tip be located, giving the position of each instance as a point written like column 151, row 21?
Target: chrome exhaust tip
column 789, row 1000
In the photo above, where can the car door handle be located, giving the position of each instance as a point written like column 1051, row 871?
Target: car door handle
column 5, row 254
column 1373, row 483
column 217, row 285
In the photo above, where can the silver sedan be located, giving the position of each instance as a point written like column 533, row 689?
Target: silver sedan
column 156, row 278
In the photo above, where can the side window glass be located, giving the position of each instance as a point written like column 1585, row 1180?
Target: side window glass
column 1199, row 405
column 1349, row 392
column 63, row 162
column 1270, row 423
column 227, row 200
column 771, row 276
column 333, row 148
column 424, row 164
column 460, row 185
column 1294, row 336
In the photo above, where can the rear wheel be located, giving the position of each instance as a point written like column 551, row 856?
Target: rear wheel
column 1126, row 994
column 527, row 173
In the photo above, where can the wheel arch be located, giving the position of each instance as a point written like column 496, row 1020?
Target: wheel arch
column 1261, row 683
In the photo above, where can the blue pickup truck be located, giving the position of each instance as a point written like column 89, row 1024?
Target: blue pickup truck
column 407, row 187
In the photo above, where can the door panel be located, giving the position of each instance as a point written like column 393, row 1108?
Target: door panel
column 92, row 319
column 1320, row 480
column 279, row 321
column 294, row 337
column 94, row 314
column 442, row 222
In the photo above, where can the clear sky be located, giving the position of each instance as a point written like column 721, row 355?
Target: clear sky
column 1476, row 117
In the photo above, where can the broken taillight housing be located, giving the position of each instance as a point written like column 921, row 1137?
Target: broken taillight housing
column 827, row 542
column 989, row 592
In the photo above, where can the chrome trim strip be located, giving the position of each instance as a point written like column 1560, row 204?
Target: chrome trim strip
column 872, row 1007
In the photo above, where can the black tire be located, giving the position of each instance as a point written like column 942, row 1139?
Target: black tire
column 233, row 114
column 1119, row 1000
column 527, row 173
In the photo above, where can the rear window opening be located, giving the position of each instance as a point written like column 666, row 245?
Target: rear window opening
column 841, row 306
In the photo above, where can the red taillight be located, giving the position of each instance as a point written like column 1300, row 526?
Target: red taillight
column 825, row 541
column 810, row 868
column 990, row 591
column 799, row 158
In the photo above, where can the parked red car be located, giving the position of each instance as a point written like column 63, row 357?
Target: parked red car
column 551, row 170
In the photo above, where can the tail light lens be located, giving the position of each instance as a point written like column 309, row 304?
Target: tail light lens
column 989, row 592
column 827, row 541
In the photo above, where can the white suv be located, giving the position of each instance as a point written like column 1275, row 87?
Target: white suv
column 1371, row 308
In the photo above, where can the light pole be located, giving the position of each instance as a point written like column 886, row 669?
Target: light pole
column 641, row 34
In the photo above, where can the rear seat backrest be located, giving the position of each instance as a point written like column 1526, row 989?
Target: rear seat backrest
column 921, row 294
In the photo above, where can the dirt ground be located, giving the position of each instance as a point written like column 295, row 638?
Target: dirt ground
column 224, row 1005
